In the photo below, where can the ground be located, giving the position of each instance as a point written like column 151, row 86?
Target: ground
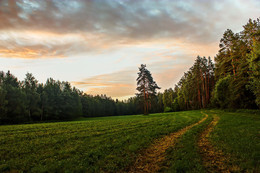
column 190, row 141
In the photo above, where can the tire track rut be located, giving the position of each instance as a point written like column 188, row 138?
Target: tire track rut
column 150, row 159
column 214, row 160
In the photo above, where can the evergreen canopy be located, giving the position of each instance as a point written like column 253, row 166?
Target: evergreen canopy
column 146, row 87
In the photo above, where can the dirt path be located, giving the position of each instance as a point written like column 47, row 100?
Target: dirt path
column 213, row 160
column 150, row 159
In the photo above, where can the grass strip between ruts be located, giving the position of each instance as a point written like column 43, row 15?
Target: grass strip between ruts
column 184, row 156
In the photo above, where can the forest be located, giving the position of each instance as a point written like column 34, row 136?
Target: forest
column 231, row 81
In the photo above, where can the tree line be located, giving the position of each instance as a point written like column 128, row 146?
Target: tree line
column 233, row 82
column 29, row 100
column 238, row 68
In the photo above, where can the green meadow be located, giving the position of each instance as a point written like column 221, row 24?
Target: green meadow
column 112, row 144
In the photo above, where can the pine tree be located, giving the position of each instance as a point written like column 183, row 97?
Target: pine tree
column 30, row 85
column 146, row 87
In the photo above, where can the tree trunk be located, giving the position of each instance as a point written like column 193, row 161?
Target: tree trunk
column 147, row 104
column 29, row 114
column 208, row 90
column 42, row 113
column 199, row 97
column 203, row 89
column 144, row 101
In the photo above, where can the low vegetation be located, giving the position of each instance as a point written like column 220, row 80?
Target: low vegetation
column 237, row 135
column 111, row 144
column 90, row 145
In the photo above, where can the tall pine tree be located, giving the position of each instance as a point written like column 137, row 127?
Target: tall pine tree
column 146, row 87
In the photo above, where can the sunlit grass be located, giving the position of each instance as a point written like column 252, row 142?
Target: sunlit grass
column 89, row 145
column 237, row 135
column 111, row 144
column 184, row 156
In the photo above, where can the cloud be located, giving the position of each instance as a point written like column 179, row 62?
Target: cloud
column 117, row 85
column 32, row 44
column 105, row 24
column 169, row 77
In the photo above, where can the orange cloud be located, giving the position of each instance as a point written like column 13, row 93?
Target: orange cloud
column 117, row 85
column 33, row 44
column 27, row 53
column 115, row 91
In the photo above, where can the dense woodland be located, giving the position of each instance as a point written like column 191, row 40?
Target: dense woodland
column 28, row 100
column 232, row 82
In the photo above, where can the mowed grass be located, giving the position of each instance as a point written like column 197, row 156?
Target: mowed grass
column 108, row 144
column 238, row 136
column 184, row 156
column 111, row 144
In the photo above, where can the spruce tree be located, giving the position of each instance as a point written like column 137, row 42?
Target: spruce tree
column 146, row 87
column 32, row 101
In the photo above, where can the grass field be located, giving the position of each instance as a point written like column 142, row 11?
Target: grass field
column 111, row 144
column 184, row 156
column 238, row 135
column 91, row 145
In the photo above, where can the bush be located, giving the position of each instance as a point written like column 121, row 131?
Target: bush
column 222, row 92
column 167, row 109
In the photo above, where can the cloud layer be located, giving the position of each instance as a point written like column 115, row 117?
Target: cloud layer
column 112, row 23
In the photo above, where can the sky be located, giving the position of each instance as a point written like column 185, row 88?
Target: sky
column 98, row 45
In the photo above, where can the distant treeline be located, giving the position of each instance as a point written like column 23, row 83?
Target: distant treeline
column 28, row 100
column 233, row 82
